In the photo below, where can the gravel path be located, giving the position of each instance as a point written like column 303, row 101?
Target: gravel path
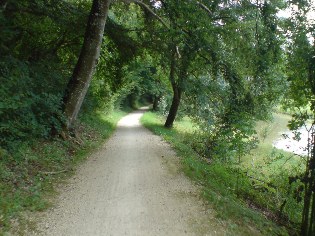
column 131, row 186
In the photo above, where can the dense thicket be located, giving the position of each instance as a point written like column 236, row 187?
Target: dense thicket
column 40, row 41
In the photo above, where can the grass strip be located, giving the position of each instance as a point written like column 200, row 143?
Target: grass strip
column 28, row 176
column 218, row 183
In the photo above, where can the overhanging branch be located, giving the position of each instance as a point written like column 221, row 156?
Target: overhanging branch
column 146, row 7
column 204, row 7
column 210, row 13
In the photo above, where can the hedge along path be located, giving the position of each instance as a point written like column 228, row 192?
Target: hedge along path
column 131, row 186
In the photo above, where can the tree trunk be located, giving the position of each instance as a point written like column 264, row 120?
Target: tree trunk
column 312, row 226
column 83, row 72
column 174, row 107
column 177, row 84
column 176, row 95
column 3, row 4
column 308, row 215
column 306, row 210
column 156, row 102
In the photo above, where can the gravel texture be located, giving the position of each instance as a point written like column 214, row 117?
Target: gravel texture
column 131, row 186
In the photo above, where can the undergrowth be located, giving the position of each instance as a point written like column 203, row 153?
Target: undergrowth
column 27, row 175
column 229, row 192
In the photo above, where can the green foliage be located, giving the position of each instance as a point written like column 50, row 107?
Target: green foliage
column 29, row 105
column 39, row 45
column 300, row 97
column 34, row 63
column 229, row 61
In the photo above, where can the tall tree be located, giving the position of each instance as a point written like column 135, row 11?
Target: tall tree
column 178, row 76
column 301, row 95
column 221, row 37
column 83, row 72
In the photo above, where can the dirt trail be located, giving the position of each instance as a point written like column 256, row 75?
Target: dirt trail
column 131, row 186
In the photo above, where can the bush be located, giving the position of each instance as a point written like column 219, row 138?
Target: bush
column 30, row 102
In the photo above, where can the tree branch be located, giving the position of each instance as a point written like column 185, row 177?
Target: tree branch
column 3, row 5
column 204, row 7
column 146, row 7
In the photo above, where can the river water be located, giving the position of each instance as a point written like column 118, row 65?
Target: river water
column 289, row 143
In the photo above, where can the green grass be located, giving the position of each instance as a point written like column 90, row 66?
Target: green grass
column 274, row 167
column 219, row 182
column 27, row 176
